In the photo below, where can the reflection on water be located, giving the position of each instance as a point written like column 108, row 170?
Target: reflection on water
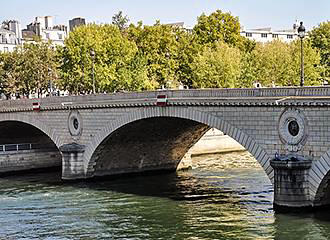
column 224, row 197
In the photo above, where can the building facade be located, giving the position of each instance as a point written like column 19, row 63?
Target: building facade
column 10, row 36
column 75, row 22
column 44, row 28
column 264, row 35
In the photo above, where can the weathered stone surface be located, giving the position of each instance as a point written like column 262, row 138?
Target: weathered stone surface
column 72, row 148
column 72, row 161
column 291, row 187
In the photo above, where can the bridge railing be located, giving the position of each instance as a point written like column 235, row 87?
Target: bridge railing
column 150, row 96
column 21, row 147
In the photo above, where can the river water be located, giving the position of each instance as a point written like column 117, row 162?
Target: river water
column 223, row 197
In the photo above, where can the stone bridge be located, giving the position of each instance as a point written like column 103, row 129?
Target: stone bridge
column 287, row 130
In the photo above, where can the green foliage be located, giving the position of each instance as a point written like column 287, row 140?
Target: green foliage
column 217, row 67
column 218, row 26
column 120, row 21
column 271, row 64
column 320, row 39
column 117, row 64
column 141, row 57
column 312, row 59
column 188, row 49
column 29, row 69
column 278, row 63
column 159, row 46
column 246, row 45
column 248, row 75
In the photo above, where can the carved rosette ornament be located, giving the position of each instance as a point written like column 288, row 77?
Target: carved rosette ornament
column 75, row 124
column 293, row 129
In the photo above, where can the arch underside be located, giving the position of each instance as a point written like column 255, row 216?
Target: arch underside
column 167, row 134
column 323, row 195
column 15, row 132
column 319, row 178
column 25, row 147
column 34, row 122
column 146, row 145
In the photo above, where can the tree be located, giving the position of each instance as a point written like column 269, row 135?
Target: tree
column 9, row 75
column 117, row 64
column 218, row 26
column 320, row 39
column 278, row 63
column 159, row 46
column 120, row 21
column 29, row 69
column 312, row 66
column 248, row 75
column 188, row 49
column 271, row 64
column 217, row 67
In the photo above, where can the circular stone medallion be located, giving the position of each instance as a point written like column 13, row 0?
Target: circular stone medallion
column 292, row 129
column 75, row 123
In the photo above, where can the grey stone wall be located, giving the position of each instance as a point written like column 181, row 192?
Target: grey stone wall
column 29, row 159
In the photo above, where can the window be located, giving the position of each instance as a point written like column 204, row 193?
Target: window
column 47, row 36
column 60, row 36
column 275, row 35
column 264, row 35
column 248, row 34
column 289, row 36
column 5, row 49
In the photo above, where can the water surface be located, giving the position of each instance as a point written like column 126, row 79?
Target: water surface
column 223, row 197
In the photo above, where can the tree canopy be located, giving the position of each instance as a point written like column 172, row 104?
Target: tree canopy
column 217, row 67
column 320, row 39
column 158, row 44
column 30, row 69
column 120, row 20
column 278, row 63
column 117, row 64
column 114, row 57
column 219, row 26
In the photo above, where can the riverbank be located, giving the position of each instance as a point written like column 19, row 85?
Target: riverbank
column 213, row 142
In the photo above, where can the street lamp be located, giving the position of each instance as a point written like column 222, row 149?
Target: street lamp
column 92, row 53
column 301, row 34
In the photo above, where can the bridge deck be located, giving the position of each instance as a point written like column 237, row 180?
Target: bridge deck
column 319, row 96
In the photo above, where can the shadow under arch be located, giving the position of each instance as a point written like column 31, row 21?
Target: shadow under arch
column 33, row 121
column 25, row 148
column 205, row 118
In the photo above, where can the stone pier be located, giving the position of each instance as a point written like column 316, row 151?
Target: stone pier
column 72, row 161
column 291, row 186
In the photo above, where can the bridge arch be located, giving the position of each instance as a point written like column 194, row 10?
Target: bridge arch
column 319, row 180
column 206, row 118
column 33, row 121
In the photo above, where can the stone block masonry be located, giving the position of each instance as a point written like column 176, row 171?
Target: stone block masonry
column 29, row 160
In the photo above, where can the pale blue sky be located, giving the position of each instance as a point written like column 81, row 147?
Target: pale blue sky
column 278, row 14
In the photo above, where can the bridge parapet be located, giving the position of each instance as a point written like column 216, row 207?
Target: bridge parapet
column 290, row 96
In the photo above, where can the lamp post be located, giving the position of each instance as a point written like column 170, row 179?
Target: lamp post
column 301, row 34
column 92, row 52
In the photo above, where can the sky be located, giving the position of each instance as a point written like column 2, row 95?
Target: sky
column 278, row 14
